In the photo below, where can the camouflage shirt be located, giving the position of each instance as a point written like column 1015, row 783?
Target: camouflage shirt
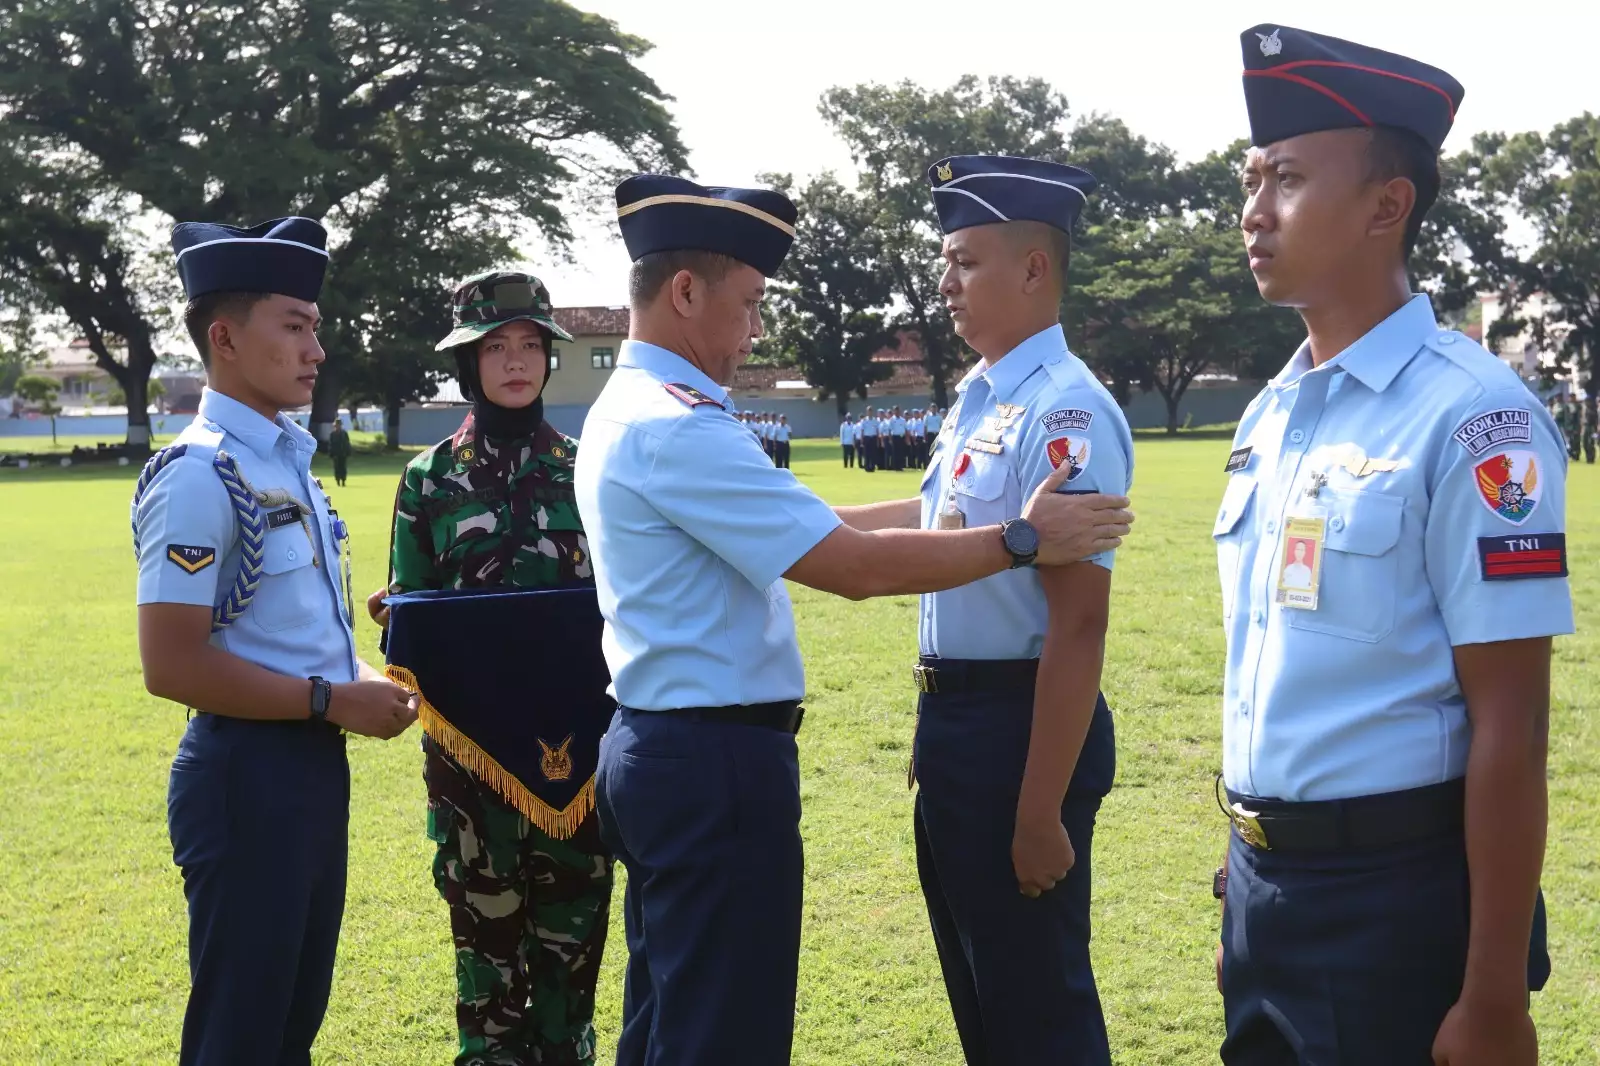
column 473, row 512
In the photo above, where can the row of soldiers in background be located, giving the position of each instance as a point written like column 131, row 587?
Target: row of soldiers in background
column 1577, row 425
column 890, row 440
column 774, row 433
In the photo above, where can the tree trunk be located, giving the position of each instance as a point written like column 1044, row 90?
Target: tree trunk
column 841, row 403
column 391, row 423
column 133, row 377
column 1173, row 399
column 325, row 403
column 137, row 392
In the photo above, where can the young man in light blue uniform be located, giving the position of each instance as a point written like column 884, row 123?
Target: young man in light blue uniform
column 871, row 457
column 1385, row 729
column 691, row 531
column 847, row 441
column 244, row 617
column 1015, row 747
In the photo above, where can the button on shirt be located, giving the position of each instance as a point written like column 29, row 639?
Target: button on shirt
column 1044, row 407
column 1422, row 454
column 691, row 528
column 297, row 623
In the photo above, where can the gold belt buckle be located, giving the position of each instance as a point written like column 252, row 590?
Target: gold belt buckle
column 1249, row 827
column 923, row 676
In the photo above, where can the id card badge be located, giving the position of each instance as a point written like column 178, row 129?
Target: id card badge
column 1300, row 566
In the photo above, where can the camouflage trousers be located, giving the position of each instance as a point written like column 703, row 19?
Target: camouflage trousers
column 529, row 915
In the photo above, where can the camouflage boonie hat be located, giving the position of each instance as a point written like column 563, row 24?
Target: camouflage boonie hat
column 488, row 301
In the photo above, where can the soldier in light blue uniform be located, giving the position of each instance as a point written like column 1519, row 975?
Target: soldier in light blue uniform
column 871, row 456
column 692, row 531
column 244, row 617
column 1391, row 547
column 847, row 441
column 1015, row 747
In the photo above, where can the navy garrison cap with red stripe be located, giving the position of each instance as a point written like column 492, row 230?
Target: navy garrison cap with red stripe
column 1297, row 82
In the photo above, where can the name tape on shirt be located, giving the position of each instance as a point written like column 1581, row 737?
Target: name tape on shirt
column 191, row 558
column 1522, row 555
column 1238, row 459
column 1505, row 426
column 286, row 516
column 1068, row 418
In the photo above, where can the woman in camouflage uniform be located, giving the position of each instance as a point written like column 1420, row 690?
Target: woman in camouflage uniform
column 493, row 506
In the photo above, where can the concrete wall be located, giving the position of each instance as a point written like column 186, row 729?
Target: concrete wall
column 115, row 427
column 1204, row 406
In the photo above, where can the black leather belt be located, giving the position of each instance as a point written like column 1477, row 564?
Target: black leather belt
column 785, row 716
column 974, row 675
column 1343, row 825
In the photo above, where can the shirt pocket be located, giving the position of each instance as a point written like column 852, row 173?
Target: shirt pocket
column 1228, row 532
column 288, row 596
column 1357, row 591
column 981, row 490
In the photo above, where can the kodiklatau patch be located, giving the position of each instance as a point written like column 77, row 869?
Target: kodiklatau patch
column 1509, row 425
column 1066, row 420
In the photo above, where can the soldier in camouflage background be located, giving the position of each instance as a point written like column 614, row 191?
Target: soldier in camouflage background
column 493, row 506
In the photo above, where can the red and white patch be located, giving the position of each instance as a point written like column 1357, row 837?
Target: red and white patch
column 1072, row 450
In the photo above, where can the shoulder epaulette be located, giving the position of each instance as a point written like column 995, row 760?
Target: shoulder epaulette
column 691, row 396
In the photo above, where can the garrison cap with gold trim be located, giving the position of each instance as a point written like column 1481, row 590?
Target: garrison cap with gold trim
column 1297, row 82
column 286, row 256
column 658, row 213
column 976, row 190
column 487, row 301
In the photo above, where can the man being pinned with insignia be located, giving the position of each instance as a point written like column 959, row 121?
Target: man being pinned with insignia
column 493, row 507
column 1014, row 748
column 1391, row 546
column 693, row 533
column 244, row 618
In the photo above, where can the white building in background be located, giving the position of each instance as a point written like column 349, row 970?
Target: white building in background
column 1521, row 353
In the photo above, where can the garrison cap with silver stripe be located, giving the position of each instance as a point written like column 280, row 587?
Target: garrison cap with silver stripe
column 659, row 213
column 288, row 256
column 976, row 190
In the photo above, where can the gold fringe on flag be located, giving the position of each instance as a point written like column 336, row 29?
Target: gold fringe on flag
column 561, row 824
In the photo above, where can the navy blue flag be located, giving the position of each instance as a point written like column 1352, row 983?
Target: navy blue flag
column 513, row 686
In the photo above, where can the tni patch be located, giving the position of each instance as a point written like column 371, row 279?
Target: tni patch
column 1522, row 555
column 190, row 558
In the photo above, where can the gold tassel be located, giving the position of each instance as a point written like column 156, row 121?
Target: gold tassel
column 560, row 824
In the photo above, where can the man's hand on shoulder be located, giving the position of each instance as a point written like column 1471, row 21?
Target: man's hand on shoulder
column 1073, row 527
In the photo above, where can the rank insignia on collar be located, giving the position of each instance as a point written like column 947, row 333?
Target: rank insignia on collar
column 555, row 763
column 190, row 558
column 466, row 453
column 691, row 396
column 559, row 452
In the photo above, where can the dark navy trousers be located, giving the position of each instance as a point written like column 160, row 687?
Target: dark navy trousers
column 1016, row 969
column 258, row 813
column 1348, row 958
column 706, row 817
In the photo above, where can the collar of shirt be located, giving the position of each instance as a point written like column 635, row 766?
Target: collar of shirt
column 670, row 367
column 1008, row 373
column 1382, row 352
column 250, row 427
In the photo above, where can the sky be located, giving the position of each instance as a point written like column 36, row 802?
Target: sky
column 746, row 78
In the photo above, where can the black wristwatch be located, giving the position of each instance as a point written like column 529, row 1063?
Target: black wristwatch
column 321, row 696
column 1021, row 540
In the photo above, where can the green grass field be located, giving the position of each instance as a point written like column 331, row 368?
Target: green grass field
column 92, row 928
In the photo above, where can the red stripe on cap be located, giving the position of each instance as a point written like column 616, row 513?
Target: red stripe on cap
column 1283, row 75
column 1449, row 103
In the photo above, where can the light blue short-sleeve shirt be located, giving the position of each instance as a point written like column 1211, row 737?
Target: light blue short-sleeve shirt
column 297, row 624
column 1012, row 424
column 847, row 433
column 1439, row 482
column 691, row 529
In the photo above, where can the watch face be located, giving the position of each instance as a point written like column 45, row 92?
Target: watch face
column 1022, row 538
